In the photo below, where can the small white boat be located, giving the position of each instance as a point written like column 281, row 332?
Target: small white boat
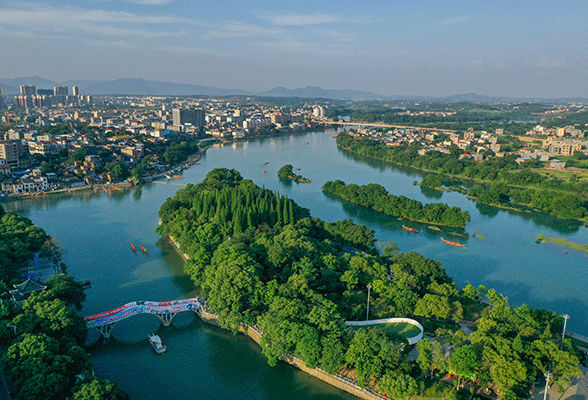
column 158, row 346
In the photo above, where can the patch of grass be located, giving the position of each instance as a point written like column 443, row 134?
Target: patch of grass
column 402, row 328
column 458, row 189
column 571, row 245
column 541, row 239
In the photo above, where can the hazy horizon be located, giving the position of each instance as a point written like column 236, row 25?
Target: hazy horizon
column 524, row 49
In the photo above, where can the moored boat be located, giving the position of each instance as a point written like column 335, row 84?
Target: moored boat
column 410, row 229
column 456, row 244
column 157, row 344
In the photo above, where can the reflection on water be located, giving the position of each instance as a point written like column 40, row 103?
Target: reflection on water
column 539, row 218
column 488, row 211
column 367, row 216
column 137, row 193
column 286, row 182
column 382, row 165
column 430, row 193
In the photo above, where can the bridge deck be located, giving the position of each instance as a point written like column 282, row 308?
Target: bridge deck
column 141, row 307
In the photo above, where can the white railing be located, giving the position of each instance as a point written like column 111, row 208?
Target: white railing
column 412, row 340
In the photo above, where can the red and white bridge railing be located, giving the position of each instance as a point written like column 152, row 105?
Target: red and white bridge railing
column 165, row 311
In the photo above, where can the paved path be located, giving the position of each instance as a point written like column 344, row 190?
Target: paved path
column 4, row 392
column 577, row 391
column 466, row 329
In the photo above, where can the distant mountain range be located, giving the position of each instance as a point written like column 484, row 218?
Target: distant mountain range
column 137, row 86
column 315, row 92
column 12, row 85
column 124, row 86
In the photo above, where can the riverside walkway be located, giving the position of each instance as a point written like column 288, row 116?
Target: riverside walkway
column 165, row 311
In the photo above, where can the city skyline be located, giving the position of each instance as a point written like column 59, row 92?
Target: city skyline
column 527, row 49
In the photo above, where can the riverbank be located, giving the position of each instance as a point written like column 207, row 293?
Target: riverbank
column 189, row 162
column 339, row 381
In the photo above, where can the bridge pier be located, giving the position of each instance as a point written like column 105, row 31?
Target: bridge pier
column 105, row 330
column 166, row 318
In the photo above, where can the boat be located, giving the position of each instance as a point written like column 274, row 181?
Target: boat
column 143, row 249
column 456, row 244
column 133, row 247
column 264, row 171
column 267, row 162
column 158, row 346
column 85, row 283
column 410, row 229
column 176, row 176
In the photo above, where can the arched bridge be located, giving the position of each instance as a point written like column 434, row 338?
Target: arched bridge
column 165, row 311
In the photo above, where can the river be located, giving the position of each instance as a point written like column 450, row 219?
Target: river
column 94, row 230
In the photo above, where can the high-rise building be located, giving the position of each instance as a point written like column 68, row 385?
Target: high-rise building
column 28, row 90
column 75, row 91
column 318, row 112
column 182, row 116
column 60, row 91
column 11, row 152
column 1, row 98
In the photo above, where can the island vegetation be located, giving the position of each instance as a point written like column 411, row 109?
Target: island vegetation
column 502, row 180
column 263, row 261
column 377, row 197
column 287, row 172
column 542, row 238
column 42, row 340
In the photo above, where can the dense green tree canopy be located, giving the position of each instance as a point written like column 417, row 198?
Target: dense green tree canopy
column 377, row 197
column 96, row 390
column 262, row 261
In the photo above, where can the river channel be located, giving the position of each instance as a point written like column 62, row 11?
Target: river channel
column 94, row 229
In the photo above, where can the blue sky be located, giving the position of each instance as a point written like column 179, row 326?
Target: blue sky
column 501, row 48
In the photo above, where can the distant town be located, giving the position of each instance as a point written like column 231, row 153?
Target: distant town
column 57, row 139
column 53, row 140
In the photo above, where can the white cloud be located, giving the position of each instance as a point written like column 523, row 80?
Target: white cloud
column 547, row 62
column 302, row 20
column 32, row 15
column 152, row 2
column 337, row 35
column 234, row 29
column 47, row 20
